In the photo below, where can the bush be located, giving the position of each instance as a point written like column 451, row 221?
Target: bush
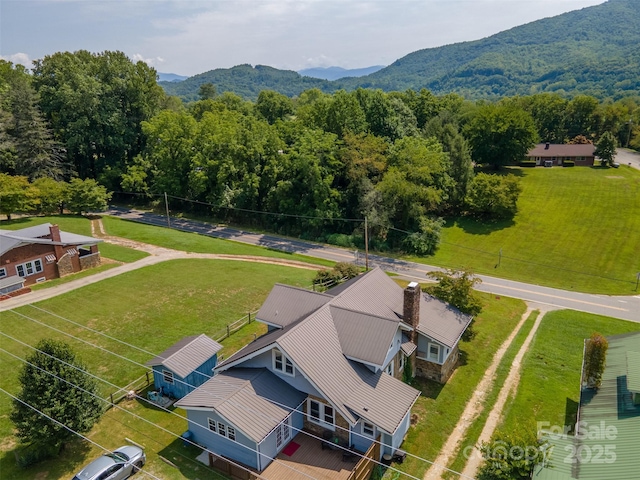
column 493, row 196
column 425, row 242
column 595, row 359
column 34, row 453
column 568, row 163
column 527, row 163
column 341, row 240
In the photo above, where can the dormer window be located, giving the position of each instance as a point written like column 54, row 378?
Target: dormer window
column 282, row 364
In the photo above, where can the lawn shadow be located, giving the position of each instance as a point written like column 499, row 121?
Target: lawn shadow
column 428, row 388
column 571, row 413
column 506, row 170
column 182, row 455
column 481, row 227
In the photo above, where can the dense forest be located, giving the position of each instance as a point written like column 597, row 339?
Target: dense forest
column 593, row 51
column 314, row 166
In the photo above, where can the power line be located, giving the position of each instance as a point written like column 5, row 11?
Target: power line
column 286, row 407
column 68, row 428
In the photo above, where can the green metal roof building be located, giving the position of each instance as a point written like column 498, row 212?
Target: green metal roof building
column 607, row 442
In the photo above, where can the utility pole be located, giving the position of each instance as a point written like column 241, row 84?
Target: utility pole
column 166, row 205
column 499, row 258
column 366, row 244
column 637, row 280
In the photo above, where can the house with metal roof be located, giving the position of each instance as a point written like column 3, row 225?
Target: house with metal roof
column 43, row 252
column 552, row 154
column 607, row 439
column 330, row 365
column 185, row 365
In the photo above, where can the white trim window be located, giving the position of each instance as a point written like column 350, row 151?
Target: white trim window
column 231, row 433
column 282, row 364
column 29, row 268
column 368, row 429
column 212, row 425
column 321, row 414
column 167, row 376
column 222, row 429
column 389, row 369
column 434, row 352
column 3, row 272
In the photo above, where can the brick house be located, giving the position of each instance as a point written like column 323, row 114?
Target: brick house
column 552, row 154
column 43, row 252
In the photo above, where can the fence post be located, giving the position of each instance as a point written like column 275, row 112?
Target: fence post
column 228, row 331
column 147, row 375
column 249, row 318
column 111, row 396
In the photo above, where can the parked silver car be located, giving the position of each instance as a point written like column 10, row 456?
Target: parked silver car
column 118, row 465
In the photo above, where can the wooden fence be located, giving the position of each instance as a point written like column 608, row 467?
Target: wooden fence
column 367, row 463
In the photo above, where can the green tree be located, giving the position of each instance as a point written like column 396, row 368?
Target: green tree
column 50, row 195
column 55, row 382
column 456, row 287
column 510, row 457
column 273, row 106
column 86, row 196
column 207, row 91
column 500, row 134
column 16, row 195
column 493, row 196
column 426, row 240
column 96, row 104
column 606, row 149
column 595, row 359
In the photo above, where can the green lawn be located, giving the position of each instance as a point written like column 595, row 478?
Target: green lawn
column 193, row 242
column 549, row 388
column 576, row 229
column 439, row 407
column 150, row 308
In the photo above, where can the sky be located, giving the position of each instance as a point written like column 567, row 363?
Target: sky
column 188, row 37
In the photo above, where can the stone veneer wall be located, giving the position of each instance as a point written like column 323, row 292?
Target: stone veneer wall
column 90, row 261
column 342, row 426
column 433, row 371
column 65, row 265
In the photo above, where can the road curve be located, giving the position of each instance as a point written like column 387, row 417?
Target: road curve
column 623, row 307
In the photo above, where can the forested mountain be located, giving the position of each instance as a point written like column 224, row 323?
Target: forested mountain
column 246, row 81
column 335, row 73
column 591, row 51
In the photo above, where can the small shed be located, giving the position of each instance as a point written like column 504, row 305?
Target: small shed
column 184, row 366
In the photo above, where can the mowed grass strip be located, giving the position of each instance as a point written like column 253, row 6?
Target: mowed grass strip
column 576, row 229
column 150, row 308
column 439, row 407
column 193, row 242
column 549, row 388
column 474, row 431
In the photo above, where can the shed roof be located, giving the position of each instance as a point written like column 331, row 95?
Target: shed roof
column 187, row 355
column 610, row 406
column 253, row 399
column 11, row 281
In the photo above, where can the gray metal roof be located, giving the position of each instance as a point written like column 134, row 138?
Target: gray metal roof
column 254, row 400
column 407, row 347
column 10, row 239
column 187, row 355
column 633, row 371
column 362, row 336
column 286, row 304
column 441, row 321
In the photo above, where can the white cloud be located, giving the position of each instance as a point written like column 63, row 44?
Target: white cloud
column 152, row 62
column 18, row 58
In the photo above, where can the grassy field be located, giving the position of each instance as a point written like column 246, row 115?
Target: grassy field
column 193, row 242
column 576, row 229
column 150, row 308
column 549, row 387
column 440, row 406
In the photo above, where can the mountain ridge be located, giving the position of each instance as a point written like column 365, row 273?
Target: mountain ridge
column 592, row 51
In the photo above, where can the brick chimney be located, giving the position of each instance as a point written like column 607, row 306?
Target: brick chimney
column 546, row 146
column 411, row 306
column 54, row 231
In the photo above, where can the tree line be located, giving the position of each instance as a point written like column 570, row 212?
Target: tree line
column 320, row 162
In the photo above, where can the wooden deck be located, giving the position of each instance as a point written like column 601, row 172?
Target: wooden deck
column 309, row 461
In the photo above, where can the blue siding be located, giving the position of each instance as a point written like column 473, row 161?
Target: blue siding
column 401, row 431
column 360, row 441
column 267, row 447
column 243, row 450
column 182, row 386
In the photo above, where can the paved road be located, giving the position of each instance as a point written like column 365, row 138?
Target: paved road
column 627, row 308
column 627, row 157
